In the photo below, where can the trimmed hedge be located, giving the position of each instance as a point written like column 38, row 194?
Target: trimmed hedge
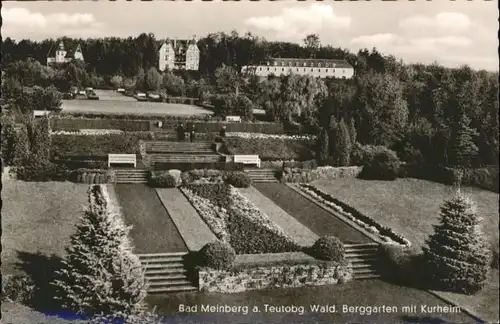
column 328, row 248
column 92, row 176
column 162, row 180
column 84, row 123
column 485, row 178
column 98, row 145
column 272, row 149
column 42, row 171
column 384, row 165
column 216, row 126
column 320, row 173
column 217, row 255
column 156, row 117
column 237, row 179
column 401, row 265
column 183, row 166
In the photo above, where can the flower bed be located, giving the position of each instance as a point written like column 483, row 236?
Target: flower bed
column 87, row 132
column 235, row 220
column 326, row 173
column 265, row 136
column 385, row 233
column 273, row 275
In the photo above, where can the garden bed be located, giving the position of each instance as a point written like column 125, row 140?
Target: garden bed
column 153, row 230
column 318, row 220
column 235, row 220
column 385, row 233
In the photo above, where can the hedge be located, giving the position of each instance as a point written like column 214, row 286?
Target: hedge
column 92, row 176
column 156, row 117
column 296, row 175
column 216, row 126
column 97, row 145
column 485, row 178
column 185, row 166
column 272, row 148
column 85, row 123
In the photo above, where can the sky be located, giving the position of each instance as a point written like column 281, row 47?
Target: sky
column 451, row 33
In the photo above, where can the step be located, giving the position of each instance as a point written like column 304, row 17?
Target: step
column 173, row 277
column 360, row 245
column 161, row 255
column 170, row 283
column 363, row 260
column 364, row 270
column 360, row 254
column 173, row 265
column 172, row 289
column 360, row 266
column 154, row 272
column 366, row 276
column 178, row 259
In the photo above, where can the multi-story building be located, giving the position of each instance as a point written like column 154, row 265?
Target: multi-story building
column 58, row 54
column 179, row 55
column 320, row 68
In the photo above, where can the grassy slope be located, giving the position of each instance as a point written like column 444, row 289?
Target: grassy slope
column 411, row 207
column 153, row 231
column 38, row 217
column 309, row 214
column 15, row 313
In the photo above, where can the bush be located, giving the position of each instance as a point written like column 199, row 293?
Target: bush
column 384, row 166
column 329, row 248
column 35, row 170
column 227, row 166
column 238, row 179
column 92, row 176
column 401, row 265
column 163, row 180
column 86, row 123
column 217, row 255
column 18, row 288
column 364, row 154
column 272, row 149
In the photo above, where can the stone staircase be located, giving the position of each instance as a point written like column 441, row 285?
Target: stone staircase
column 364, row 259
column 166, row 272
column 262, row 175
column 131, row 176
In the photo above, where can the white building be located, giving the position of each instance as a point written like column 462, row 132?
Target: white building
column 320, row 68
column 58, row 54
column 179, row 55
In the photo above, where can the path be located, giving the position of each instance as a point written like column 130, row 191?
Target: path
column 192, row 228
column 318, row 220
column 153, row 230
column 299, row 233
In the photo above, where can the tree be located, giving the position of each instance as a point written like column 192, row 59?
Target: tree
column 173, row 84
column 342, row 145
column 140, row 79
column 153, row 79
column 312, row 43
column 323, row 147
column 101, row 274
column 117, row 81
column 227, row 80
column 352, row 131
column 9, row 139
column 463, row 149
column 457, row 254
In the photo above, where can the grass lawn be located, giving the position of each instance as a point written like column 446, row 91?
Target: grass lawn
column 38, row 217
column 15, row 313
column 410, row 207
column 309, row 214
column 355, row 293
column 113, row 106
column 153, row 231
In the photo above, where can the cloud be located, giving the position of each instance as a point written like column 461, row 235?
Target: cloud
column 21, row 20
column 449, row 21
column 296, row 23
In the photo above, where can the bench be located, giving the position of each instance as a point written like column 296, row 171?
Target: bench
column 122, row 158
column 236, row 119
column 247, row 159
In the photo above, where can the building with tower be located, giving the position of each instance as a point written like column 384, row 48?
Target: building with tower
column 58, row 54
column 179, row 55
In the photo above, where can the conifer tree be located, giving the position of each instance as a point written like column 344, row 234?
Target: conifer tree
column 463, row 149
column 342, row 147
column 101, row 274
column 323, row 147
column 457, row 255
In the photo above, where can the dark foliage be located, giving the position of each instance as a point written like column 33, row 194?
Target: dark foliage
column 328, row 248
column 217, row 255
column 272, row 148
column 226, row 166
column 384, row 166
column 237, row 179
column 162, row 180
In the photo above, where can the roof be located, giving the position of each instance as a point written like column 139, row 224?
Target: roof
column 60, row 45
column 309, row 62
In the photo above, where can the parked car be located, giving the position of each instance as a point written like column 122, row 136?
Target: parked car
column 91, row 95
column 140, row 96
column 154, row 97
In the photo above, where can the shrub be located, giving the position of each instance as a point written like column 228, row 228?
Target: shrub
column 238, row 179
column 401, row 265
column 163, row 180
column 329, row 248
column 38, row 170
column 384, row 166
column 363, row 154
column 272, row 149
column 217, row 255
column 457, row 255
column 18, row 288
column 494, row 255
column 86, row 123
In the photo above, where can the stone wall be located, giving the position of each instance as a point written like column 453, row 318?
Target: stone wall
column 275, row 276
column 320, row 173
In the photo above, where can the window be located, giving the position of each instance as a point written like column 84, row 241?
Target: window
column 282, row 69
column 260, row 69
column 268, row 69
column 312, row 70
column 297, row 69
column 326, row 70
column 319, row 64
column 319, row 70
column 304, row 70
